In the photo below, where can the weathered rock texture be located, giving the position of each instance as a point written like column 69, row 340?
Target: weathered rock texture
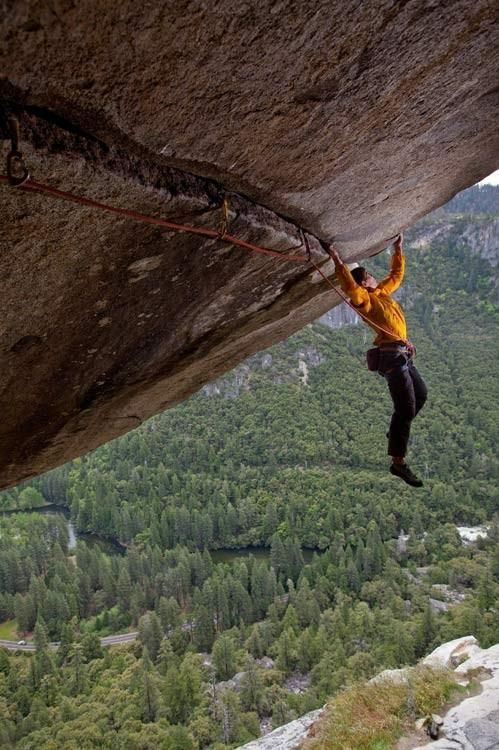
column 473, row 724
column 347, row 119
column 287, row 737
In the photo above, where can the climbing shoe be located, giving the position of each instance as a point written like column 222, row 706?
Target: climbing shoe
column 403, row 471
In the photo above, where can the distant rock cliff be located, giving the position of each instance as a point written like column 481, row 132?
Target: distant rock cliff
column 480, row 234
column 340, row 316
column 483, row 239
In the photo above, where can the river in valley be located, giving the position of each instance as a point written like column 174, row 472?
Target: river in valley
column 113, row 547
column 110, row 546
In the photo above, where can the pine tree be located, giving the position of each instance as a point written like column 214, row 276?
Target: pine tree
column 78, row 673
column 169, row 613
column 307, row 650
column 4, row 662
column 287, row 652
column 290, row 620
column 84, row 594
column 166, row 657
column 40, row 636
column 255, row 644
column 149, row 693
column 487, row 590
column 224, row 657
column 252, row 694
column 124, row 590
column 427, row 631
column 204, row 629
column 91, row 647
column 228, row 715
column 183, row 689
column 67, row 638
column 278, row 557
column 151, row 634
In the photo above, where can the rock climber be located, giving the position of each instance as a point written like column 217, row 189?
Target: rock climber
column 393, row 354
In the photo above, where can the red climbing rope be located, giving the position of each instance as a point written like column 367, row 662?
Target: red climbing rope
column 39, row 187
column 33, row 186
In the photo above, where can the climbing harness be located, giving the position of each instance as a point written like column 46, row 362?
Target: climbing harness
column 19, row 176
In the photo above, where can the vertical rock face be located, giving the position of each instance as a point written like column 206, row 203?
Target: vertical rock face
column 346, row 120
column 339, row 316
column 484, row 241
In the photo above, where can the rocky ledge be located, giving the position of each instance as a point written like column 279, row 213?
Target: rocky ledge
column 473, row 724
column 287, row 737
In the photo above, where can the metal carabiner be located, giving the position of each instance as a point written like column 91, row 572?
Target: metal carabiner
column 224, row 222
column 306, row 243
column 17, row 171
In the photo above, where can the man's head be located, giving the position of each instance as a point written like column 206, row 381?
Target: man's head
column 363, row 278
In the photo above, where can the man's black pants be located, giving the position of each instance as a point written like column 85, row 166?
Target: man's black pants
column 408, row 392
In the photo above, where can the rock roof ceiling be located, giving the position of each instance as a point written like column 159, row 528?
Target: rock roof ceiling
column 348, row 120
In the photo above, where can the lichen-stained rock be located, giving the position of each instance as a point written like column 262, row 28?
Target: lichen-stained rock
column 348, row 119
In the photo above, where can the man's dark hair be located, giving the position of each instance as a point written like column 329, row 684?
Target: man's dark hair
column 359, row 274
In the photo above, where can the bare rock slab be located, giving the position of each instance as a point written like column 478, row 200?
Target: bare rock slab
column 287, row 737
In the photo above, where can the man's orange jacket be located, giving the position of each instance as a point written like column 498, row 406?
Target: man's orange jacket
column 377, row 305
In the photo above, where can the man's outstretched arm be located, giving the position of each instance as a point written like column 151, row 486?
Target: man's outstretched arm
column 358, row 295
column 397, row 269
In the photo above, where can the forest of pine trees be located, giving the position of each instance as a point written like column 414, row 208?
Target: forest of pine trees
column 275, row 464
